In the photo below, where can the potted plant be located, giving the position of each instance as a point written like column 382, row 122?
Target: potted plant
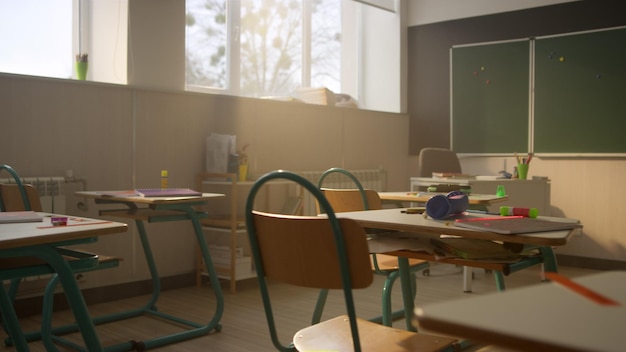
column 81, row 66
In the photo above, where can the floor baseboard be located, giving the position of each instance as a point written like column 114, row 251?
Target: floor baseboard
column 33, row 305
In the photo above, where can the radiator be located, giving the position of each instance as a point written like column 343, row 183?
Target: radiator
column 375, row 179
column 53, row 190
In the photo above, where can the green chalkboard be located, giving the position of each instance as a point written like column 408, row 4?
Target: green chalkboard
column 490, row 97
column 580, row 93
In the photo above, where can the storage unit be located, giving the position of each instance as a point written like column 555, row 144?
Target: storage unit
column 225, row 228
column 532, row 193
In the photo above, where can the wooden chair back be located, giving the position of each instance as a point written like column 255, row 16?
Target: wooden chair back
column 291, row 247
column 12, row 198
column 432, row 160
column 343, row 200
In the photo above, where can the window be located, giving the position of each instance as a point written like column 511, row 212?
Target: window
column 260, row 47
column 36, row 37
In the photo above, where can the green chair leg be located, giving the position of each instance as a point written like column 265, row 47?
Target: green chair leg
column 319, row 306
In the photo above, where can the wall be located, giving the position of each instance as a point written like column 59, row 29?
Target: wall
column 120, row 137
column 588, row 189
column 430, row 11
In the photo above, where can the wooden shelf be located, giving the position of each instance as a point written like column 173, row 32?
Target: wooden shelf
column 229, row 223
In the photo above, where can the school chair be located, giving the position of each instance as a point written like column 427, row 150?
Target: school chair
column 344, row 200
column 288, row 249
column 23, row 197
column 432, row 159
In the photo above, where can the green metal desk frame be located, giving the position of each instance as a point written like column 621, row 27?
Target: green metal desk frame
column 162, row 212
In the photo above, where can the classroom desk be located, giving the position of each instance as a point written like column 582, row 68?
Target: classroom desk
column 542, row 317
column 423, row 197
column 482, row 200
column 40, row 240
column 162, row 209
column 395, row 220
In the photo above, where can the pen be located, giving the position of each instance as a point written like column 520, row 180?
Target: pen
column 580, row 289
column 530, row 156
column 480, row 212
column 490, row 218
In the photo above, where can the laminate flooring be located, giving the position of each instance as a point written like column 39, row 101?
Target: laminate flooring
column 244, row 327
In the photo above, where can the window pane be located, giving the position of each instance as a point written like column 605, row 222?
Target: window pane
column 271, row 47
column 326, row 44
column 206, row 43
column 36, row 37
column 265, row 53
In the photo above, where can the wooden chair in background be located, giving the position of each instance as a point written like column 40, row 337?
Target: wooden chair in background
column 344, row 200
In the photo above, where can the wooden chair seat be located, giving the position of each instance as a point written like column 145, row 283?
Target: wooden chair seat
column 335, row 335
column 24, row 262
column 390, row 262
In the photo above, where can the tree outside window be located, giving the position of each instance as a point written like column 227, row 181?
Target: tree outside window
column 279, row 45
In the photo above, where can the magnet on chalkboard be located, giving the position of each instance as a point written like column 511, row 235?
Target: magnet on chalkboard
column 562, row 59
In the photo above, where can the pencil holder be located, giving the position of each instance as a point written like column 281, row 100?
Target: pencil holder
column 441, row 206
column 522, row 171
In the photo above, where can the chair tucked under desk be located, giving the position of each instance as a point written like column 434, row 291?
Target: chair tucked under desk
column 343, row 200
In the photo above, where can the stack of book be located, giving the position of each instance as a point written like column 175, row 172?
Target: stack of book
column 221, row 261
column 470, row 248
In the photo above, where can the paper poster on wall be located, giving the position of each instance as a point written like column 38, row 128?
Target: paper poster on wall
column 218, row 149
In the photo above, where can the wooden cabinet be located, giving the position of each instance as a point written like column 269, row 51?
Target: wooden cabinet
column 533, row 193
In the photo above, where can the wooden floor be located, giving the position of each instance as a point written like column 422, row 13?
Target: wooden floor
column 244, row 326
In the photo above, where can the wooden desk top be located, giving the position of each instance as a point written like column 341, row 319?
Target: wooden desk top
column 545, row 316
column 422, row 197
column 109, row 196
column 396, row 220
column 15, row 235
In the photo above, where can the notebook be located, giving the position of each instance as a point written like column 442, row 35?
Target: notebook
column 19, row 216
column 509, row 225
column 168, row 192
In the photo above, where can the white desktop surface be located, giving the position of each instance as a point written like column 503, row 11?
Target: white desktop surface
column 394, row 219
column 545, row 316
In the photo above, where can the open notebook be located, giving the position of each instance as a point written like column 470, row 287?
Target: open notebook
column 512, row 225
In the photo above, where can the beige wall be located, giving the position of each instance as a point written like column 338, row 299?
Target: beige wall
column 118, row 137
